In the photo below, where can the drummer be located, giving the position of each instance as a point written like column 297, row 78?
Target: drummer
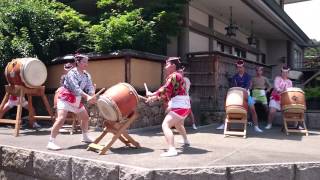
column 260, row 85
column 281, row 83
column 174, row 91
column 243, row 80
column 14, row 101
column 77, row 84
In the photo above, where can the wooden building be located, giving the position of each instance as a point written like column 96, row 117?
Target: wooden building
column 216, row 33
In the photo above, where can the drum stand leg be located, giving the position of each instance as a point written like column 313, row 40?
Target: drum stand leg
column 4, row 101
column 120, row 132
column 21, row 91
column 18, row 116
column 14, row 91
column 235, row 119
column 294, row 117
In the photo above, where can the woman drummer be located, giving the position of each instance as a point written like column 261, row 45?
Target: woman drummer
column 281, row 83
column 76, row 84
column 174, row 91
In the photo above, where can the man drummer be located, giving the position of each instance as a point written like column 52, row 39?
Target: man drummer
column 174, row 91
column 243, row 80
column 281, row 83
column 260, row 85
column 77, row 84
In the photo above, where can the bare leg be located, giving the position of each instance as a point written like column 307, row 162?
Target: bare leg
column 272, row 111
column 180, row 128
column 84, row 117
column 6, row 108
column 168, row 122
column 62, row 114
column 254, row 115
column 192, row 118
column 255, row 119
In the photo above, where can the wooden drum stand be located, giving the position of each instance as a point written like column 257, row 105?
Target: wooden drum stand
column 296, row 116
column 119, row 131
column 236, row 118
column 21, row 91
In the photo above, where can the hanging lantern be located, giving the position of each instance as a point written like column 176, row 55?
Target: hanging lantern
column 252, row 39
column 231, row 28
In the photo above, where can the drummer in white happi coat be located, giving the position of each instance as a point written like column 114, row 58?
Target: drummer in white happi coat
column 77, row 84
column 281, row 83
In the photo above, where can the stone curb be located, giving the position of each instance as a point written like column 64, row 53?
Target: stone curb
column 19, row 163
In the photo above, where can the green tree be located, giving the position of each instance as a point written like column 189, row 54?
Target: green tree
column 141, row 25
column 313, row 51
column 39, row 28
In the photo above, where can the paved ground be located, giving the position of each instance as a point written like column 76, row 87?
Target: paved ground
column 208, row 147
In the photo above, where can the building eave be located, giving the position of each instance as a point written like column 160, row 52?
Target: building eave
column 300, row 37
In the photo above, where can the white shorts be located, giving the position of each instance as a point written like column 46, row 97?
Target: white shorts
column 274, row 104
column 64, row 105
column 12, row 103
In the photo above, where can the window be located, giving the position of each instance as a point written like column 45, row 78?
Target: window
column 224, row 48
column 297, row 58
column 240, row 53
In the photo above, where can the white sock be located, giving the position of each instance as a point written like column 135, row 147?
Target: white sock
column 84, row 134
column 51, row 139
column 172, row 149
column 185, row 140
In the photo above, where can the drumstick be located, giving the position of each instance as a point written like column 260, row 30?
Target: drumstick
column 99, row 92
column 146, row 87
column 142, row 97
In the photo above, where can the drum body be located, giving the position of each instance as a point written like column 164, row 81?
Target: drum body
column 118, row 102
column 28, row 72
column 237, row 101
column 293, row 100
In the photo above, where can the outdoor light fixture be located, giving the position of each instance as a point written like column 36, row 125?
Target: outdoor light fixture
column 232, row 28
column 252, row 39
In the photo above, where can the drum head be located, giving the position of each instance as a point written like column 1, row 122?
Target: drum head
column 234, row 97
column 292, row 89
column 34, row 72
column 107, row 109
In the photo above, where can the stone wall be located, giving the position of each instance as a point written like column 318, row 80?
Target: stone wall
column 23, row 164
column 153, row 114
column 148, row 114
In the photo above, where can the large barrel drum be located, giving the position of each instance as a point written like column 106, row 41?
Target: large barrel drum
column 28, row 72
column 118, row 102
column 293, row 99
column 236, row 101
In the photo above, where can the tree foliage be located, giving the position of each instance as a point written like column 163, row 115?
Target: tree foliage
column 39, row 28
column 47, row 28
column 141, row 25
column 313, row 51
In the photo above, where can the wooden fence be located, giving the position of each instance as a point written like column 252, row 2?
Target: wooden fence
column 210, row 74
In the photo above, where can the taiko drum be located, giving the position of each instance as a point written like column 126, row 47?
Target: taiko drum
column 293, row 98
column 236, row 100
column 28, row 72
column 118, row 102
